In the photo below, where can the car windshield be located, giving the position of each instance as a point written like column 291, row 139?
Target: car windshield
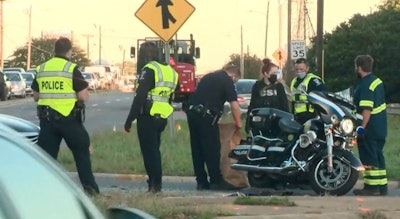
column 244, row 87
column 13, row 76
column 28, row 77
column 86, row 75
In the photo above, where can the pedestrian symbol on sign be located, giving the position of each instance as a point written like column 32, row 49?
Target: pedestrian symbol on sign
column 280, row 56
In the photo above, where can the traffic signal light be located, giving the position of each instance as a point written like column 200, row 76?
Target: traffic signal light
column 133, row 52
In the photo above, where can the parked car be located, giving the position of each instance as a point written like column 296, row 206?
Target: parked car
column 33, row 185
column 26, row 128
column 29, row 77
column 32, row 70
column 127, row 85
column 243, row 89
column 5, row 87
column 13, row 70
column 94, row 83
column 18, row 84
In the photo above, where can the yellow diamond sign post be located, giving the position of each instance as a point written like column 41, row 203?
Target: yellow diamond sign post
column 164, row 17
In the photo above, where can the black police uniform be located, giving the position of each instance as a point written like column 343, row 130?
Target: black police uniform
column 267, row 95
column 315, row 84
column 205, row 108
column 149, row 129
column 54, row 127
column 370, row 95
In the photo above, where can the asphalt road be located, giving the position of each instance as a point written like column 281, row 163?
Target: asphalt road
column 105, row 110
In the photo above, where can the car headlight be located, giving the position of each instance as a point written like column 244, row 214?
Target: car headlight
column 347, row 126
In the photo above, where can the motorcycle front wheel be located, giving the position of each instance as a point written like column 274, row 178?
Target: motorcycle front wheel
column 261, row 180
column 338, row 182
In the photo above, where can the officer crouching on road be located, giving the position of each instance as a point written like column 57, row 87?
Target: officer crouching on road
column 205, row 108
column 151, row 107
column 60, row 91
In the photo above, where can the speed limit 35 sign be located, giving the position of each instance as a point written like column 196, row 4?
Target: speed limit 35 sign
column 298, row 49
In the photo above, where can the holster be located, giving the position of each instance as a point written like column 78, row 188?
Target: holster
column 47, row 113
column 206, row 112
column 79, row 114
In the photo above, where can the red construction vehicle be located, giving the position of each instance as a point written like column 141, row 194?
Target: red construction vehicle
column 182, row 55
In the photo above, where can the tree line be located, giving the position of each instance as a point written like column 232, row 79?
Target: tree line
column 376, row 34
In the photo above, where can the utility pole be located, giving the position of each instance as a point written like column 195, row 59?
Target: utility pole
column 289, row 39
column 28, row 61
column 320, row 29
column 241, row 54
column 99, row 44
column 266, row 31
column 1, row 34
column 123, row 62
column 88, row 36
column 280, row 24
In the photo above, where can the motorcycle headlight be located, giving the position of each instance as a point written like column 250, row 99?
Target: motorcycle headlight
column 347, row 126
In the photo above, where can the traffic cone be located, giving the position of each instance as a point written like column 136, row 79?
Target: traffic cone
column 178, row 126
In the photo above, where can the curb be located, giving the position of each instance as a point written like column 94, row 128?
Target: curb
column 139, row 177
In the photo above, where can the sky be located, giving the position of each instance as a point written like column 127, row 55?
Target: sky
column 216, row 25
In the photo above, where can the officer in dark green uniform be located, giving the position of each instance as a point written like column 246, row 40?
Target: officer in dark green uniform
column 369, row 97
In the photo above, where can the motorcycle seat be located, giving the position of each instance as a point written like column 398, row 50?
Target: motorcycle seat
column 290, row 126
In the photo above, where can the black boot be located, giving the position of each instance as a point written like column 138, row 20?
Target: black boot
column 368, row 190
column 153, row 187
column 383, row 189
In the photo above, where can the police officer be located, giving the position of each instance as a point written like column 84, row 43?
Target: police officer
column 304, row 82
column 60, row 91
column 369, row 98
column 151, row 107
column 205, row 108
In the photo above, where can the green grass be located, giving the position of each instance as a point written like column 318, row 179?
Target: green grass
column 117, row 152
column 160, row 206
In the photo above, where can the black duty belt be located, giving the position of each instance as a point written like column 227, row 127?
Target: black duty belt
column 204, row 111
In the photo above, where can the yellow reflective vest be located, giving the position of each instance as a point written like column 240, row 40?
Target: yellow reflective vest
column 165, row 81
column 54, row 78
column 299, row 99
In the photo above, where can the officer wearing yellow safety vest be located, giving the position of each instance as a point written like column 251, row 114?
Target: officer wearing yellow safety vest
column 151, row 107
column 304, row 82
column 369, row 98
column 60, row 91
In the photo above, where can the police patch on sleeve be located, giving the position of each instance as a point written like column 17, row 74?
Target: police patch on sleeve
column 317, row 82
column 142, row 74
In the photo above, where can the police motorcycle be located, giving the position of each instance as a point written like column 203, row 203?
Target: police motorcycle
column 318, row 153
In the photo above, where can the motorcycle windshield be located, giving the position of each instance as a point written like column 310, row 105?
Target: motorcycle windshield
column 328, row 104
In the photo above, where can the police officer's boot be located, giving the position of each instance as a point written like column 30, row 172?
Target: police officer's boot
column 368, row 190
column 383, row 189
column 153, row 187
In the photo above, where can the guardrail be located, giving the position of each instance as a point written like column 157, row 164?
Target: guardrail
column 393, row 108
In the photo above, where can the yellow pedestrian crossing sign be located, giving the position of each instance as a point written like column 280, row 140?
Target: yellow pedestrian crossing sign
column 280, row 55
column 164, row 17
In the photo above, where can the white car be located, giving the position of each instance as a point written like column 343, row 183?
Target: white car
column 33, row 185
column 18, row 84
column 94, row 83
